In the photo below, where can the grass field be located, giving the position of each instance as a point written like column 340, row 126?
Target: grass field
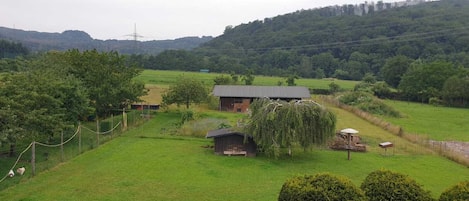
column 145, row 164
column 438, row 123
column 165, row 78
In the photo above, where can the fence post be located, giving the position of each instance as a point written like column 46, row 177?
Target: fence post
column 124, row 120
column 62, row 146
column 79, row 138
column 112, row 125
column 97, row 131
column 33, row 158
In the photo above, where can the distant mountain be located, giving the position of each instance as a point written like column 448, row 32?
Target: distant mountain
column 73, row 39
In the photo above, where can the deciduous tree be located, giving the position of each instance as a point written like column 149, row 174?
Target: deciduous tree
column 280, row 124
column 185, row 91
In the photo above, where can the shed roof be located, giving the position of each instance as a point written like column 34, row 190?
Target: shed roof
column 222, row 132
column 261, row 91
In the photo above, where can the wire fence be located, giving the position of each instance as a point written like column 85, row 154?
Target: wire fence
column 38, row 156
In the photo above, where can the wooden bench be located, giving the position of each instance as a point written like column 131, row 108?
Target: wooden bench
column 234, row 152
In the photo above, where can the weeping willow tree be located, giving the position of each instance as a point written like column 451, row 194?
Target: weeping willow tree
column 280, row 125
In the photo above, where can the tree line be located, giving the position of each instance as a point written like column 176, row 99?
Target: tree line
column 52, row 92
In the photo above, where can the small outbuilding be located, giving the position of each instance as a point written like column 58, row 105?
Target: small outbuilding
column 230, row 142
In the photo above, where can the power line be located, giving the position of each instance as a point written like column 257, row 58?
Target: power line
column 135, row 35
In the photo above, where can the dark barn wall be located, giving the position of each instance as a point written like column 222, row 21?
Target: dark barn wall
column 234, row 104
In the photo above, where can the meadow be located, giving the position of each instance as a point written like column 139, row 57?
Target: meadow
column 164, row 78
column 434, row 122
column 155, row 162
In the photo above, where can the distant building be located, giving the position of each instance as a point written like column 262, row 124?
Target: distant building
column 237, row 98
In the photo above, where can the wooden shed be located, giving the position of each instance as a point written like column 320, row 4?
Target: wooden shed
column 229, row 142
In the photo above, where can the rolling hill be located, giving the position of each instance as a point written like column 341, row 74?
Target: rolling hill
column 73, row 39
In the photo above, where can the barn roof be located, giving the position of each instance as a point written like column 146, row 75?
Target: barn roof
column 222, row 132
column 261, row 91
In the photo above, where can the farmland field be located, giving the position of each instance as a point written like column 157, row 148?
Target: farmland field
column 165, row 78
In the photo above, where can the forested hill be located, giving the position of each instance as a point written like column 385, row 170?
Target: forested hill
column 337, row 42
column 72, row 39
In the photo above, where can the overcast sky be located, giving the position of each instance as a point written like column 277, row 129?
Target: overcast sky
column 154, row 19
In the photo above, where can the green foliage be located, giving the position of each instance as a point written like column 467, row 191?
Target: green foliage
column 222, row 80
column 37, row 104
column 322, row 186
column 334, row 87
column 290, row 80
column 109, row 81
column 248, row 78
column 455, row 90
column 186, row 116
column 213, row 102
column 185, row 91
column 388, row 185
column 279, row 124
column 369, row 78
column 368, row 103
column 424, row 80
column 458, row 192
column 11, row 49
column 394, row 68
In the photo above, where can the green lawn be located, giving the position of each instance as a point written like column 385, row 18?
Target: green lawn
column 145, row 164
column 164, row 78
column 438, row 123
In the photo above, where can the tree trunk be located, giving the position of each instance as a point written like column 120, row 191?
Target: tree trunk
column 12, row 151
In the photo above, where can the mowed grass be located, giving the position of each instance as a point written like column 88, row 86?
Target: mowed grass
column 145, row 164
column 434, row 122
column 165, row 78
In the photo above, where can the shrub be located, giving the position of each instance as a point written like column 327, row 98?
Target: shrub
column 388, row 185
column 458, row 192
column 368, row 103
column 321, row 186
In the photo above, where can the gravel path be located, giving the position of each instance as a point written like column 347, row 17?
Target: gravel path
column 459, row 147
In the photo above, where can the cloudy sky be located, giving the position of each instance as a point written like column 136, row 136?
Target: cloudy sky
column 154, row 19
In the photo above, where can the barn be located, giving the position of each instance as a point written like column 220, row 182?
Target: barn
column 230, row 142
column 237, row 98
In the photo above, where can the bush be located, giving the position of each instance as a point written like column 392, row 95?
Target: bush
column 368, row 103
column 320, row 187
column 459, row 192
column 387, row 185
